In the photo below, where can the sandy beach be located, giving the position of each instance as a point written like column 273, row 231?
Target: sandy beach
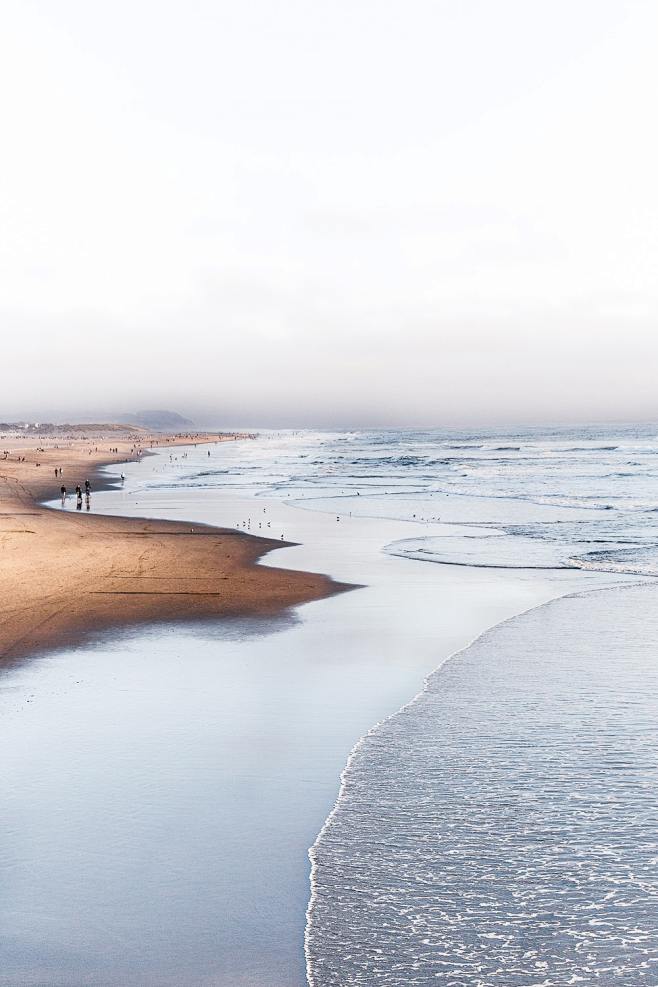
column 69, row 576
column 164, row 782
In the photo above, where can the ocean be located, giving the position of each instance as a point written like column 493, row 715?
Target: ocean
column 488, row 696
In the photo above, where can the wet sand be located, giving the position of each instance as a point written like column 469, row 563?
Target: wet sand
column 67, row 576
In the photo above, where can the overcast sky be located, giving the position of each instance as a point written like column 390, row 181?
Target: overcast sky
column 355, row 211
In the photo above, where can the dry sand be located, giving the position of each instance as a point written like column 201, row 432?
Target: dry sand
column 67, row 576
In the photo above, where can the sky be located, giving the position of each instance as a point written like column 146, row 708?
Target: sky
column 358, row 212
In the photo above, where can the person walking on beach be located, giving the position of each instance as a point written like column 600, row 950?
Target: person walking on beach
column 62, row 490
column 78, row 505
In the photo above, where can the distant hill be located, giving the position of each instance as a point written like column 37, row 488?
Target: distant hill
column 157, row 419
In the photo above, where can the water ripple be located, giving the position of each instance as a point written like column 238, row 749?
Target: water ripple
column 502, row 829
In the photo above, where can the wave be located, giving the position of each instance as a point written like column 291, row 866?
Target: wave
column 501, row 549
column 389, row 460
column 490, row 813
column 490, row 565
column 590, row 449
column 196, row 476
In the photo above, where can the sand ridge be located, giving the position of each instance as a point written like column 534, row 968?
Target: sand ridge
column 66, row 577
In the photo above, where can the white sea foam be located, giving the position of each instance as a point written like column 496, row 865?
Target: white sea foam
column 502, row 825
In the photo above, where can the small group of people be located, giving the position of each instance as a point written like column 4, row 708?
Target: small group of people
column 78, row 495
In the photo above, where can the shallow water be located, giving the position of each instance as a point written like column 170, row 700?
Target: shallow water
column 503, row 828
column 163, row 787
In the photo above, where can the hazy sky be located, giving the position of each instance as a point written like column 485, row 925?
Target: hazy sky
column 338, row 212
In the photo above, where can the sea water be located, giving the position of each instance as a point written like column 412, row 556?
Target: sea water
column 162, row 787
column 503, row 828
